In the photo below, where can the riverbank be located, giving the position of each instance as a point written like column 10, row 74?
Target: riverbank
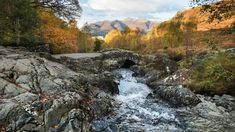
column 42, row 93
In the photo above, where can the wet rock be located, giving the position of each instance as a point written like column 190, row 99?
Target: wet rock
column 109, row 86
column 176, row 95
column 207, row 116
column 138, row 71
column 225, row 101
column 102, row 106
column 77, row 121
column 99, row 126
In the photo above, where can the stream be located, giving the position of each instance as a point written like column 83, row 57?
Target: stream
column 137, row 113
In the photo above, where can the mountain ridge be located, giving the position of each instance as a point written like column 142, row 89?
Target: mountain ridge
column 101, row 28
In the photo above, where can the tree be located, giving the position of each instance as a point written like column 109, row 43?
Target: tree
column 61, row 36
column 98, row 45
column 218, row 10
column 113, row 38
column 18, row 22
column 173, row 36
column 86, row 28
column 189, row 34
column 68, row 9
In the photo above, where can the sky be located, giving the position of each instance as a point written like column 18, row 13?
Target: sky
column 155, row 10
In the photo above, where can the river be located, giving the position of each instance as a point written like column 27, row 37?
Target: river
column 137, row 113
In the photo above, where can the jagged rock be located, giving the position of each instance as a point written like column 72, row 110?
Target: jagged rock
column 41, row 48
column 37, row 94
column 77, row 122
column 35, row 74
column 99, row 126
column 102, row 106
column 230, row 51
column 225, row 101
column 176, row 95
column 207, row 116
column 180, row 77
column 157, row 66
column 6, row 105
column 60, row 107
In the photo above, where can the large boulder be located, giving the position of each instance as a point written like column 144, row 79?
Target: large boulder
column 157, row 66
column 176, row 95
column 180, row 77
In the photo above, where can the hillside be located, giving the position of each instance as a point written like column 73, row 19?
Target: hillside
column 221, row 32
column 201, row 19
column 103, row 27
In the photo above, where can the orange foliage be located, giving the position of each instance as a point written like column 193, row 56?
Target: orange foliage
column 113, row 38
column 56, row 32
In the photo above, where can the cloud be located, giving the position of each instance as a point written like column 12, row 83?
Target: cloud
column 136, row 6
column 158, row 10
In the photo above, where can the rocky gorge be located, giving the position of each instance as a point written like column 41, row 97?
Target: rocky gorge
column 42, row 93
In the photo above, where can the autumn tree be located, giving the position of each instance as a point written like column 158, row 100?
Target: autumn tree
column 113, row 39
column 218, row 10
column 153, row 40
column 189, row 29
column 84, row 39
column 60, row 35
column 173, row 36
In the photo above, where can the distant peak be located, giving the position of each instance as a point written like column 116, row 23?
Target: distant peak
column 136, row 19
column 128, row 19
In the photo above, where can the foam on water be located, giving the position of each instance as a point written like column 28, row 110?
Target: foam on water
column 137, row 113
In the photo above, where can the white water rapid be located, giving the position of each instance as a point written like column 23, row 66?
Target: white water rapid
column 137, row 113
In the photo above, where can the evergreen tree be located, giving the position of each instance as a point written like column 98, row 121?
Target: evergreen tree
column 18, row 22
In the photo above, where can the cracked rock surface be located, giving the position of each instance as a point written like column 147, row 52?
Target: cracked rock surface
column 37, row 94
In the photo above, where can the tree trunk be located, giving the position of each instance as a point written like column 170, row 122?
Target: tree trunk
column 18, row 32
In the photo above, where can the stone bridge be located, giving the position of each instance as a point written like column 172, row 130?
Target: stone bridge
column 120, row 58
column 105, row 60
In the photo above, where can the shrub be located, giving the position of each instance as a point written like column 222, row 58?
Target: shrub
column 215, row 75
column 176, row 54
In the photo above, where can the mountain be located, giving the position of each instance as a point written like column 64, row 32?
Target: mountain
column 103, row 27
column 142, row 24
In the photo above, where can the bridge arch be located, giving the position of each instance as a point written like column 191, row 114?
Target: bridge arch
column 128, row 64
